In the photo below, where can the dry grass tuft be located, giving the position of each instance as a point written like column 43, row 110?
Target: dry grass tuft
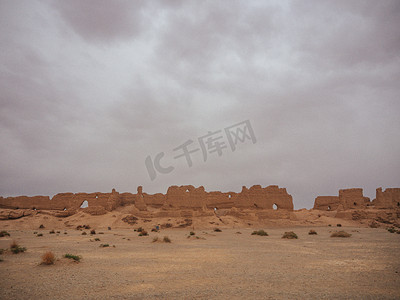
column 342, row 234
column 48, row 258
column 289, row 235
column 260, row 232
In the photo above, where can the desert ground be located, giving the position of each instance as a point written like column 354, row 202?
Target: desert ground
column 207, row 265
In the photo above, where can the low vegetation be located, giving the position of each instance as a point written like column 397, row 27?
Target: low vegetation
column 312, row 231
column 217, row 230
column 260, row 232
column 52, row 232
column 15, row 248
column 97, row 239
column 104, row 245
column 290, row 235
column 342, row 234
column 4, row 233
column 192, row 233
column 392, row 230
column 92, row 231
column 166, row 239
column 48, row 258
column 40, row 234
column 72, row 256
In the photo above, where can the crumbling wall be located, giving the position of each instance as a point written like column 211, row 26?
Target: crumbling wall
column 326, row 203
column 186, row 197
column 264, row 198
column 353, row 198
column 390, row 198
column 25, row 202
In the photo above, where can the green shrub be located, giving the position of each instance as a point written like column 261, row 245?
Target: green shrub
column 342, row 234
column 40, row 234
column 4, row 233
column 192, row 233
column 97, row 239
column 72, row 256
column 15, row 248
column 260, row 232
column 392, row 230
column 289, row 235
column 143, row 233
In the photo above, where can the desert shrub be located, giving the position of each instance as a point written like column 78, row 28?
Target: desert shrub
column 312, row 231
column 238, row 232
column 217, row 230
column 4, row 233
column 143, row 233
column 154, row 230
column 58, row 231
column 41, row 226
column 260, row 232
column 140, row 229
column 35, row 232
column 72, row 256
column 289, row 235
column 65, row 232
column 342, row 233
column 155, row 239
column 52, row 232
column 97, row 239
column 84, row 233
column 166, row 225
column 1, row 251
column 166, row 239
column 100, row 232
column 15, row 248
column 339, row 225
column 1, row 259
column 40, row 234
column 392, row 230
column 104, row 245
column 109, row 228
column 48, row 258
column 92, row 231
column 192, row 233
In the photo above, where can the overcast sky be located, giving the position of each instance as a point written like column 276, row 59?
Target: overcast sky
column 90, row 89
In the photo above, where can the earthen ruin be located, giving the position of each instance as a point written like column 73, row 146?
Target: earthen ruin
column 187, row 201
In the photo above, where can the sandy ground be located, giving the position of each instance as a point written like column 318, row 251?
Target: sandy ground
column 220, row 265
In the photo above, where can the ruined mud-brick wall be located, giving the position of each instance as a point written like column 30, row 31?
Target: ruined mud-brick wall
column 185, row 197
column 348, row 199
column 326, row 203
column 390, row 198
column 98, row 202
column 353, row 198
column 265, row 198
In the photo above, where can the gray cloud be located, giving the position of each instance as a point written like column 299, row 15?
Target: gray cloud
column 89, row 89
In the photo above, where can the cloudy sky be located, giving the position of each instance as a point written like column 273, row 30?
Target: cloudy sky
column 90, row 89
